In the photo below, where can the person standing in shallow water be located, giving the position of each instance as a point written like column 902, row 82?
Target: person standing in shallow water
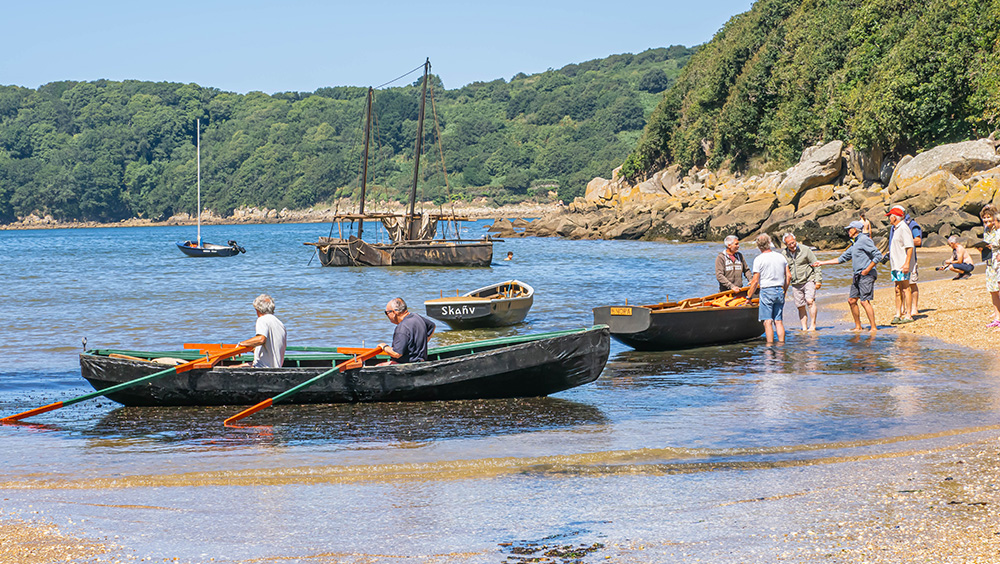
column 863, row 256
column 806, row 279
column 771, row 275
column 730, row 266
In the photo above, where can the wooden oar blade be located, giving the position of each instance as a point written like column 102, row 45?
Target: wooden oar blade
column 32, row 412
column 197, row 363
column 249, row 411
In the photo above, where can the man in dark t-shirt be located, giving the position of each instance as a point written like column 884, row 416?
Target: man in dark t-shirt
column 409, row 340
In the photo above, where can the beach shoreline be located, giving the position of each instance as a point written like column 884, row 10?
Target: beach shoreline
column 313, row 215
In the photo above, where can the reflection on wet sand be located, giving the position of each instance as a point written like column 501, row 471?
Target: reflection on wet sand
column 646, row 461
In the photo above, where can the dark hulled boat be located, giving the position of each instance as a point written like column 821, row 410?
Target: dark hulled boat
column 412, row 235
column 193, row 249
column 520, row 366
column 496, row 305
column 691, row 323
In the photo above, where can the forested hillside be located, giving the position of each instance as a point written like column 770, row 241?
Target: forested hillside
column 104, row 151
column 897, row 75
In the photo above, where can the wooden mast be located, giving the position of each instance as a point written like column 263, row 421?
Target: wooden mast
column 364, row 166
column 416, row 156
column 198, row 144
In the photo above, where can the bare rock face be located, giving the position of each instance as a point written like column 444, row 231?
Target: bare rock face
column 669, row 178
column 942, row 216
column 817, row 194
column 598, row 189
column 818, row 166
column 864, row 165
column 927, row 193
column 980, row 194
column 743, row 220
column 688, row 225
column 631, row 229
column 502, row 226
column 960, row 159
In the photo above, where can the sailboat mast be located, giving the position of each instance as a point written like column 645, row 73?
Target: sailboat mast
column 416, row 155
column 364, row 166
column 198, row 125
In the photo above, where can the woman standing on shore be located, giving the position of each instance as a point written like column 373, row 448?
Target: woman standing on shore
column 991, row 235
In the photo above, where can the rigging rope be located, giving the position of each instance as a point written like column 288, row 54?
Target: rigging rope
column 420, row 68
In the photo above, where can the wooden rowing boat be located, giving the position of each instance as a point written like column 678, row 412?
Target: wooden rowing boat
column 519, row 366
column 697, row 322
column 496, row 305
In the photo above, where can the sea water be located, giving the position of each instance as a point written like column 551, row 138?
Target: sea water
column 705, row 453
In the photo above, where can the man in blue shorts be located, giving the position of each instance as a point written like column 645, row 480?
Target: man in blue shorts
column 901, row 261
column 863, row 256
column 771, row 275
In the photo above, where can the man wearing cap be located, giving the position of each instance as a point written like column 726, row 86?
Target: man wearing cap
column 270, row 338
column 863, row 256
column 917, row 233
column 900, row 262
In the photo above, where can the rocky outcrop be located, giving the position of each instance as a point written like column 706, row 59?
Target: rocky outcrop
column 818, row 166
column 944, row 188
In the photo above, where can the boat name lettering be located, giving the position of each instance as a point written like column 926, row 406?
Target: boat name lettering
column 458, row 310
column 621, row 311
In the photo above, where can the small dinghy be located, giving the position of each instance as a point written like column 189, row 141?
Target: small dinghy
column 193, row 249
column 497, row 305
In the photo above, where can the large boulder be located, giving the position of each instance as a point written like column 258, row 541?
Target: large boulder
column 818, row 194
column 502, row 226
column 960, row 159
column 941, row 216
column 688, row 225
column 669, row 178
column 979, row 194
column 598, row 189
column 633, row 228
column 818, row 166
column 743, row 220
column 864, row 165
column 927, row 193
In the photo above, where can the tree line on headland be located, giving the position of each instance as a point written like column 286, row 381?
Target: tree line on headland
column 106, row 151
column 893, row 76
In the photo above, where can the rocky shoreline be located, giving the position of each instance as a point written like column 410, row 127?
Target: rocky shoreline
column 314, row 215
column 943, row 188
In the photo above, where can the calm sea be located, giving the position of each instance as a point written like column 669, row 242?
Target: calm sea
column 668, row 457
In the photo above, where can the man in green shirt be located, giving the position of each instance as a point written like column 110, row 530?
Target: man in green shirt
column 806, row 279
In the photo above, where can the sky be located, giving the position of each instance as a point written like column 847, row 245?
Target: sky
column 303, row 45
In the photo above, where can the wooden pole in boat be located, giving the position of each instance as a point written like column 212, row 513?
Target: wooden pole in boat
column 416, row 154
column 364, row 166
column 356, row 362
column 208, row 362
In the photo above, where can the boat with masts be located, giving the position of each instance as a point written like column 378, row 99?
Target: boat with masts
column 412, row 235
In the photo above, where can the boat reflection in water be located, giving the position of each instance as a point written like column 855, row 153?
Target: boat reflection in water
column 325, row 424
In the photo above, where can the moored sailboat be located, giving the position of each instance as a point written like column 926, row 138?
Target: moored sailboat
column 198, row 248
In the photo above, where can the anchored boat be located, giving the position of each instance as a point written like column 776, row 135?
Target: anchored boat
column 718, row 319
column 496, row 305
column 412, row 234
column 519, row 366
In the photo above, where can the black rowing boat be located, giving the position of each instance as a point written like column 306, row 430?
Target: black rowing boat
column 519, row 366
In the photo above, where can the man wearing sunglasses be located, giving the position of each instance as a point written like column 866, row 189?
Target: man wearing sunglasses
column 409, row 340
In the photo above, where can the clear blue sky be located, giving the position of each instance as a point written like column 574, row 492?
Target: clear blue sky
column 302, row 45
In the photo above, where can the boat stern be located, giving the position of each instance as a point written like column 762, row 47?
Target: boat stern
column 623, row 319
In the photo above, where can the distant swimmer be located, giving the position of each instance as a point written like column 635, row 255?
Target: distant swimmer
column 510, row 255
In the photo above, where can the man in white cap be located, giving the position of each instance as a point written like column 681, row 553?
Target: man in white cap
column 917, row 233
column 901, row 260
column 863, row 256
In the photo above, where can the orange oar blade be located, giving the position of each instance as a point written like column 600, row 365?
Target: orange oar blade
column 249, row 411
column 31, row 412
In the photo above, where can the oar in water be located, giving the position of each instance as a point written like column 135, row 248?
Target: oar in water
column 207, row 362
column 356, row 362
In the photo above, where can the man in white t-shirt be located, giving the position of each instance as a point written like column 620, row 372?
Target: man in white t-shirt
column 270, row 338
column 771, row 275
column 902, row 259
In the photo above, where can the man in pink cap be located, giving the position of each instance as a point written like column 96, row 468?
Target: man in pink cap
column 901, row 259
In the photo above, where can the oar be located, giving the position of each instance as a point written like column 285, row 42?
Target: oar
column 208, row 362
column 356, row 362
